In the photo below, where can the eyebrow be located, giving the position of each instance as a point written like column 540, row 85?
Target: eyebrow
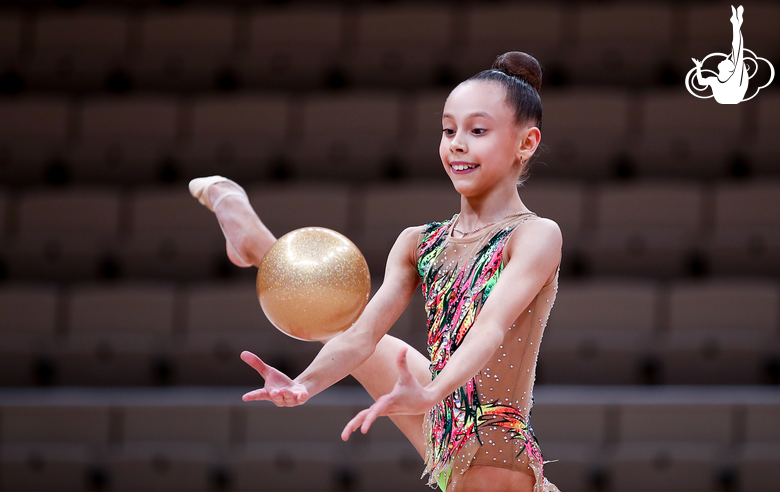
column 478, row 114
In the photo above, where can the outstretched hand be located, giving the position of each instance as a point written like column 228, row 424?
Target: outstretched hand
column 407, row 398
column 697, row 62
column 280, row 389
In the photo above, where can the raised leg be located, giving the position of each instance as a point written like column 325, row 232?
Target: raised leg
column 252, row 239
column 379, row 374
column 246, row 232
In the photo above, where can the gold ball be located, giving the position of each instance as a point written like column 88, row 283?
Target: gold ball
column 313, row 283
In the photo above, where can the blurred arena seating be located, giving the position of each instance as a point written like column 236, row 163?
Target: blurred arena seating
column 623, row 438
column 122, row 320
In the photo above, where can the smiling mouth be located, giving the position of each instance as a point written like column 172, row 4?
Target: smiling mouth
column 463, row 166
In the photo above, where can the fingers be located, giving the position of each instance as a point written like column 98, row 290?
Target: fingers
column 403, row 366
column 254, row 361
column 366, row 418
column 369, row 418
column 353, row 424
column 281, row 397
column 285, row 397
column 258, row 394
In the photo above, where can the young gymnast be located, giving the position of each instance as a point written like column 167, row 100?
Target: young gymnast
column 489, row 276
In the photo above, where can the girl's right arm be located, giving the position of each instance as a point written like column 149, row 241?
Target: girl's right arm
column 347, row 351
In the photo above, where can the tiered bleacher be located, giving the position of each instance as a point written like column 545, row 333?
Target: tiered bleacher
column 122, row 321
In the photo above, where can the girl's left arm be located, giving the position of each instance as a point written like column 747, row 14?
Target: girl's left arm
column 534, row 256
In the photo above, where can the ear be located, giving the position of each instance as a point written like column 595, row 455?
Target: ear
column 529, row 139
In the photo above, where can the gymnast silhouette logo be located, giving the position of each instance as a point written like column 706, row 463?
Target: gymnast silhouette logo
column 730, row 84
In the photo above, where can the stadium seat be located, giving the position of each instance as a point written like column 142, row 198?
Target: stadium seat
column 241, row 136
column 347, row 136
column 4, row 229
column 665, row 466
column 28, row 333
column 721, row 331
column 563, row 201
column 165, row 466
column 421, row 135
column 670, row 445
column 170, row 422
column 118, row 334
column 222, row 320
column 171, row 236
column 284, row 207
column 389, row 209
column 12, row 26
column 745, row 237
column 70, row 244
column 185, row 49
column 585, row 133
column 48, row 466
column 53, row 443
column 125, row 139
column 571, row 437
column 293, row 47
column 761, row 422
column 34, row 133
column 77, row 50
column 622, row 43
column 758, row 467
column 600, row 331
column 683, row 136
column 60, row 422
column 390, row 466
column 761, row 449
column 269, row 466
column 494, row 29
column 401, row 44
column 647, row 227
column 763, row 150
column 317, row 423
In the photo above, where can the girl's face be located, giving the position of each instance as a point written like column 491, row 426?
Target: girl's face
column 481, row 145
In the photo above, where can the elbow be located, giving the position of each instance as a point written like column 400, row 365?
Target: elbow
column 491, row 337
column 359, row 341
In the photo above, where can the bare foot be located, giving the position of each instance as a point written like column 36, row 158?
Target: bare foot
column 249, row 237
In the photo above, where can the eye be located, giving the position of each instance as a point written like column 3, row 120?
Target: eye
column 449, row 132
column 479, row 131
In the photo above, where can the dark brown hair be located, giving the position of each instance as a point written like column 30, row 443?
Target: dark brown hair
column 521, row 76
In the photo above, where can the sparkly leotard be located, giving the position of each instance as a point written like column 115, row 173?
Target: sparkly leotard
column 486, row 421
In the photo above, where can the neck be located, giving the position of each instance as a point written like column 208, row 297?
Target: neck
column 476, row 211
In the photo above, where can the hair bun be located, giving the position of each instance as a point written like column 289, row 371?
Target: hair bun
column 521, row 65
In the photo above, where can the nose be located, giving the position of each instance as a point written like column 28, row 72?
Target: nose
column 457, row 144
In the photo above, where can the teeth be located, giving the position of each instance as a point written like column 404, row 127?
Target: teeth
column 462, row 167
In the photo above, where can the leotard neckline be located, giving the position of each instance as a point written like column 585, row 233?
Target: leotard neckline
column 480, row 234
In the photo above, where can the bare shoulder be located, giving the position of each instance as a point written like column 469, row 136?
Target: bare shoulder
column 539, row 234
column 413, row 232
column 408, row 239
column 403, row 252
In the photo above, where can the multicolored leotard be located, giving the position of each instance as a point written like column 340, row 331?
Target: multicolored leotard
column 486, row 421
